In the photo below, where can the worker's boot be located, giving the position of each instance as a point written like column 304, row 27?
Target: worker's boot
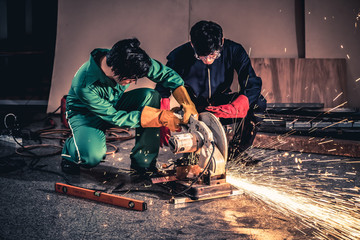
column 70, row 167
column 236, row 152
column 139, row 174
column 244, row 135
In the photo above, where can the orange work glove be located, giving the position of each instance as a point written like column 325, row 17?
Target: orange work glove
column 153, row 117
column 236, row 109
column 183, row 98
column 164, row 131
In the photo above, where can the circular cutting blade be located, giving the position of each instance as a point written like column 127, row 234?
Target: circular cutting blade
column 218, row 131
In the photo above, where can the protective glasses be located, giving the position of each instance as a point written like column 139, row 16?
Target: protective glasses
column 212, row 56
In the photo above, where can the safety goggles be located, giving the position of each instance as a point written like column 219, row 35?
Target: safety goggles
column 212, row 56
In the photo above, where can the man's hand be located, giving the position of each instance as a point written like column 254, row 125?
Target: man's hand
column 237, row 109
column 153, row 117
column 183, row 98
column 164, row 131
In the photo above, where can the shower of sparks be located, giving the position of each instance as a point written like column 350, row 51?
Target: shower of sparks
column 334, row 124
column 337, row 96
column 295, row 120
column 312, row 130
column 348, row 56
column 325, row 142
column 267, row 93
column 291, row 185
column 315, row 191
column 321, row 214
column 357, row 80
column 338, row 106
column 341, row 46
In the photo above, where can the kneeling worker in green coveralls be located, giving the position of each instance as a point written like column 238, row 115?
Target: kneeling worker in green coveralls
column 97, row 100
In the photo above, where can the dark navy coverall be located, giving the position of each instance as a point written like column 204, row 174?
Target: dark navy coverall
column 210, row 84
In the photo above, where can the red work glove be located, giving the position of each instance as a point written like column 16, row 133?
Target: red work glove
column 237, row 109
column 164, row 131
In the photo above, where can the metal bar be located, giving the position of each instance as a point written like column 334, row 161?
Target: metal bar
column 308, row 144
column 295, row 105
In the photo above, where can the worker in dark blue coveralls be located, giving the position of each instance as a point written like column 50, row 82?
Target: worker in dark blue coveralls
column 97, row 100
column 207, row 64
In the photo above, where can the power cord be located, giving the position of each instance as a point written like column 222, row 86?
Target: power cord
column 113, row 134
column 25, row 151
column 199, row 176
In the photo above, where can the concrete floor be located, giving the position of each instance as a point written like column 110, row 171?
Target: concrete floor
column 288, row 195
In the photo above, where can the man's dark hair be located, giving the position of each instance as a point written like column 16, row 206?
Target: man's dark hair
column 206, row 37
column 128, row 60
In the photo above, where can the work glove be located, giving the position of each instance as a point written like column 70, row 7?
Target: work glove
column 164, row 131
column 183, row 98
column 236, row 109
column 153, row 117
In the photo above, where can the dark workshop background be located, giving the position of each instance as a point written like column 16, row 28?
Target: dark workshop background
column 305, row 51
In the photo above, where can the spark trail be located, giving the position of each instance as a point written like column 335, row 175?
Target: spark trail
column 322, row 197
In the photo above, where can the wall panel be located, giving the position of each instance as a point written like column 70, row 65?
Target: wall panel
column 267, row 27
column 87, row 24
column 333, row 31
column 300, row 80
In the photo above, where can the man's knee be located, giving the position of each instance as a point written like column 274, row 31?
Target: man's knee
column 93, row 157
column 152, row 97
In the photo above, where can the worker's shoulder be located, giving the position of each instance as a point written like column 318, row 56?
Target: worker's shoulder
column 232, row 44
column 85, row 76
column 80, row 73
column 182, row 50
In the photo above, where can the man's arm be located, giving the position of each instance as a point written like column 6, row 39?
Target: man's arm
column 170, row 79
column 164, row 76
column 105, row 110
column 250, row 87
column 250, row 84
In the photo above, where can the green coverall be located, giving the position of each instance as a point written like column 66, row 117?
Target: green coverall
column 96, row 102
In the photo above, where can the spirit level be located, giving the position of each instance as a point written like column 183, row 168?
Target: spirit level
column 101, row 197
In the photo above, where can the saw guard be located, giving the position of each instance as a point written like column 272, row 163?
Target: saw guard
column 197, row 137
column 217, row 130
column 205, row 138
column 218, row 161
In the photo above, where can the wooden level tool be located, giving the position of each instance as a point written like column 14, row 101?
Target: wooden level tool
column 101, row 197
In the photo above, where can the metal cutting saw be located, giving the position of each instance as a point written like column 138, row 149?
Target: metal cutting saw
column 200, row 172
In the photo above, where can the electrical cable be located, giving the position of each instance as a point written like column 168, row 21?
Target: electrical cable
column 5, row 122
column 36, row 158
column 200, row 175
column 8, row 165
column 20, row 151
column 25, row 151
